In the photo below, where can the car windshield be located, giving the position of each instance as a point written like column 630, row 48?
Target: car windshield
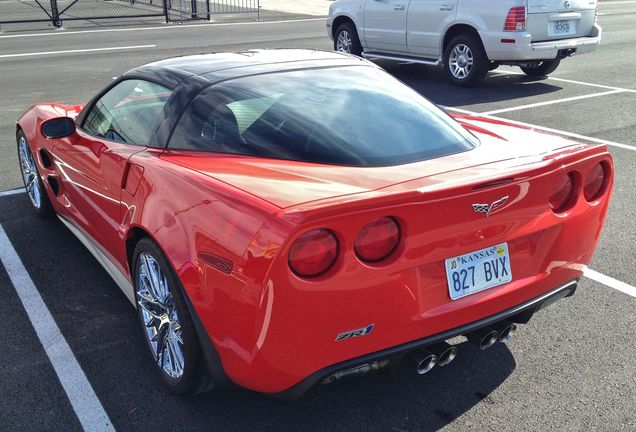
column 355, row 116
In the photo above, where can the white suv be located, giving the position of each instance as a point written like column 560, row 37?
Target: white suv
column 469, row 37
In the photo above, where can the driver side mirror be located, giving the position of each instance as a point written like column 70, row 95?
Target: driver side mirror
column 60, row 127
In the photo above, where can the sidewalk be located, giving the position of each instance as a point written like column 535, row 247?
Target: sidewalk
column 306, row 7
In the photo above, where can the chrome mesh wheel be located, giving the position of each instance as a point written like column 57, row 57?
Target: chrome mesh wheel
column 161, row 320
column 29, row 173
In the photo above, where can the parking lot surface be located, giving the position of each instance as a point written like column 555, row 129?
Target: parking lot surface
column 571, row 368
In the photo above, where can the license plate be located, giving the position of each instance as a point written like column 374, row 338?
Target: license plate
column 562, row 27
column 477, row 271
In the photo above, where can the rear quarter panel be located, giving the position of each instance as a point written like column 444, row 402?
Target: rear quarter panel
column 189, row 215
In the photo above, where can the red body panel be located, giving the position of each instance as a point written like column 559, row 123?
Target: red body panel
column 272, row 328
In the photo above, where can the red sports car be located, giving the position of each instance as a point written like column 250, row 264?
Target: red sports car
column 287, row 218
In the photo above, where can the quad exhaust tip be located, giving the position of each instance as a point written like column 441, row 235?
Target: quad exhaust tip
column 484, row 338
column 506, row 329
column 424, row 361
column 445, row 353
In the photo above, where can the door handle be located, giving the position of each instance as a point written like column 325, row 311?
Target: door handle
column 399, row 7
column 447, row 7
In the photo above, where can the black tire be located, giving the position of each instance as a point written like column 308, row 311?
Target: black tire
column 479, row 68
column 44, row 208
column 348, row 32
column 540, row 68
column 188, row 381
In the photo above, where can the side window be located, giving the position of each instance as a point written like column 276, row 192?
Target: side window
column 128, row 113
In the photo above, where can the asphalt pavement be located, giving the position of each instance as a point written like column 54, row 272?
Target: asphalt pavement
column 571, row 368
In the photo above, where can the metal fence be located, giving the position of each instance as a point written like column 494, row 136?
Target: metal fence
column 16, row 15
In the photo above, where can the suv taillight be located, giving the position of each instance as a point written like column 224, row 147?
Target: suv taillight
column 516, row 19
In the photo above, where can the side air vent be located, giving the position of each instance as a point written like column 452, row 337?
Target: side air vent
column 45, row 158
column 55, row 186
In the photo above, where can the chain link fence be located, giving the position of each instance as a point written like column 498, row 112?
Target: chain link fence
column 23, row 15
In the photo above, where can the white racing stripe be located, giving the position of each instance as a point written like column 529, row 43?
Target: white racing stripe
column 84, row 401
column 12, row 192
column 542, row 128
column 610, row 281
column 552, row 102
column 160, row 28
column 77, row 51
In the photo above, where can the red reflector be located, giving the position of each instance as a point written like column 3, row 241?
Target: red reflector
column 511, row 41
column 516, row 19
column 313, row 253
column 563, row 194
column 595, row 183
column 377, row 240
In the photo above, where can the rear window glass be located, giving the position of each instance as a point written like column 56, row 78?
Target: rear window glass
column 355, row 116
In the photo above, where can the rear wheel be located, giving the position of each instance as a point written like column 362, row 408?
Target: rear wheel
column 31, row 178
column 165, row 320
column 540, row 68
column 465, row 60
column 346, row 39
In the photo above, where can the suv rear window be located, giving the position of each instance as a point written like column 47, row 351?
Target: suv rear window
column 355, row 116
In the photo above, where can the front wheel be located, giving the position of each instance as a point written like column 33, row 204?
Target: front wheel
column 465, row 60
column 346, row 39
column 31, row 178
column 540, row 68
column 165, row 320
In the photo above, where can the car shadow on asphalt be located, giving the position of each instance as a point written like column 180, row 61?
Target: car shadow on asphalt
column 100, row 326
column 432, row 82
column 402, row 401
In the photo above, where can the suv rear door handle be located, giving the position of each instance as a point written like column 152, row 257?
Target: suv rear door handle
column 400, row 7
column 446, row 7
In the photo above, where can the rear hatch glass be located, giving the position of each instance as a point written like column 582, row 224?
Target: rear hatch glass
column 354, row 116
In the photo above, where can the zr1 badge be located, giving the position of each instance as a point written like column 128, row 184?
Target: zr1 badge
column 355, row 333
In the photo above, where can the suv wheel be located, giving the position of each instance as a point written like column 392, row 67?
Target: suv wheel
column 346, row 39
column 540, row 68
column 465, row 61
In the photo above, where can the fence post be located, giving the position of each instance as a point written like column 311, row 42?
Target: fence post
column 55, row 14
column 194, row 14
column 165, row 11
column 209, row 16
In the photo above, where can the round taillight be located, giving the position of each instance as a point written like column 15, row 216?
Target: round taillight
column 562, row 197
column 313, row 253
column 594, row 183
column 377, row 240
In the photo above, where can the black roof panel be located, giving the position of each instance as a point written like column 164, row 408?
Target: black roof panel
column 174, row 70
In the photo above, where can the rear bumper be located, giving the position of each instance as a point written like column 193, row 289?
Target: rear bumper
column 519, row 314
column 524, row 50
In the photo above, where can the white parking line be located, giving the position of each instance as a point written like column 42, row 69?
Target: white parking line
column 506, row 72
column 552, row 102
column 78, row 51
column 610, row 281
column 545, row 129
column 84, row 401
column 12, row 192
column 159, row 28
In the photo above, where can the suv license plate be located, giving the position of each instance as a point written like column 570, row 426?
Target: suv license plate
column 562, row 27
column 479, row 270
